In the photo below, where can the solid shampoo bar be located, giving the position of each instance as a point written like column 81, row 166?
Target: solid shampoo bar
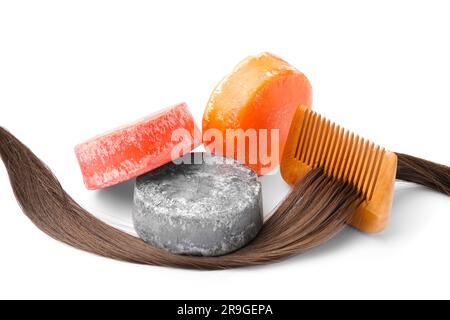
column 206, row 205
column 260, row 97
column 137, row 148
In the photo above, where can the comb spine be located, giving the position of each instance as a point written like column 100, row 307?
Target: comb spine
column 301, row 140
column 314, row 143
column 346, row 155
column 377, row 172
column 353, row 153
column 324, row 141
column 361, row 164
column 309, row 139
column 368, row 181
column 338, row 159
column 329, row 156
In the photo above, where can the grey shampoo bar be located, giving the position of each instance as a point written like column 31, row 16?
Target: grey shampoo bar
column 200, row 204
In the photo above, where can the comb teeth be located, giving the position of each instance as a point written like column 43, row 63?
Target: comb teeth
column 341, row 153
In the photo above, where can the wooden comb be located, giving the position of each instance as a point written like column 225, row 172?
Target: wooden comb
column 314, row 141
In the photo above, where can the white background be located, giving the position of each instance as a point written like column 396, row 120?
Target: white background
column 72, row 69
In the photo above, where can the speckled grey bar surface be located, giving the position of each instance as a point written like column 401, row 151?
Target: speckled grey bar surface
column 206, row 205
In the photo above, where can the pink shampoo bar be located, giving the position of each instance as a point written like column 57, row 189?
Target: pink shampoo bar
column 138, row 148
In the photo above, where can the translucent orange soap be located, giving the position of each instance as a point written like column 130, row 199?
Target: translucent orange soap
column 137, row 148
column 261, row 93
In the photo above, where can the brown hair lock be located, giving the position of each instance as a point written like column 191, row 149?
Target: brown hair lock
column 316, row 209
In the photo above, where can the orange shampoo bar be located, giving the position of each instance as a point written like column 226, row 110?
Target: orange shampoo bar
column 262, row 92
column 137, row 148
